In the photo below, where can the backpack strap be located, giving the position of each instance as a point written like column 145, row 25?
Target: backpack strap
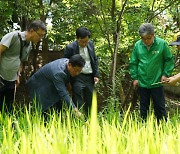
column 21, row 46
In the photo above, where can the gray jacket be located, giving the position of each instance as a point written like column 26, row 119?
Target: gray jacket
column 48, row 84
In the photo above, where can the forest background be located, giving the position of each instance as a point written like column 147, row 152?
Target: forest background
column 114, row 27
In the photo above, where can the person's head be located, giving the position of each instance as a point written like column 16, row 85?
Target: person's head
column 82, row 35
column 75, row 65
column 176, row 41
column 36, row 31
column 146, row 31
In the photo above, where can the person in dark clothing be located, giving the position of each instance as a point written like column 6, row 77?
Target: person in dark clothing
column 83, row 84
column 48, row 84
column 175, row 80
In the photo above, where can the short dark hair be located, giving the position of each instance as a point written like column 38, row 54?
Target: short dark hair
column 77, row 60
column 82, row 32
column 37, row 24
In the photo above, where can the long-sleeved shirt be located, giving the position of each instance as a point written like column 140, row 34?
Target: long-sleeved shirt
column 48, row 84
column 148, row 66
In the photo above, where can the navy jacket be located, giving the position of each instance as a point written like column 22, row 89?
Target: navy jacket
column 48, row 84
column 73, row 48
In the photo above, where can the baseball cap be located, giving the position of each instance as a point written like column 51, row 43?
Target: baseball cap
column 176, row 39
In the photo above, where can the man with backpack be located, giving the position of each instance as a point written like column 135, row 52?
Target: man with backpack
column 14, row 49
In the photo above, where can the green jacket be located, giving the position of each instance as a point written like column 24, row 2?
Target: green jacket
column 148, row 66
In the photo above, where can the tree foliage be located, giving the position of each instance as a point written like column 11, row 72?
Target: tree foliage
column 113, row 24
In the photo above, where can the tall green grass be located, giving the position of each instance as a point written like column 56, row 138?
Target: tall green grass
column 26, row 131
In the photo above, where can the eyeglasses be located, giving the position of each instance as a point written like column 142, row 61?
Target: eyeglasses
column 40, row 35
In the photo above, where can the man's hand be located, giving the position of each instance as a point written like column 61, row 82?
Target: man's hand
column 163, row 79
column 96, row 80
column 135, row 84
column 78, row 114
column 172, row 81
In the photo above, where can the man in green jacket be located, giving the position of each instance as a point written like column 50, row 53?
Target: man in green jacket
column 151, row 63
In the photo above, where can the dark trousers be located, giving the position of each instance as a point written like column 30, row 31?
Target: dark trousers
column 157, row 95
column 7, row 94
column 82, row 90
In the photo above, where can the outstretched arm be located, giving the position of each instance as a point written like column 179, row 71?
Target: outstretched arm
column 59, row 83
column 173, row 80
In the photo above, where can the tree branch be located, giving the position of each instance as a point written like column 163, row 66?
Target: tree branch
column 170, row 4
